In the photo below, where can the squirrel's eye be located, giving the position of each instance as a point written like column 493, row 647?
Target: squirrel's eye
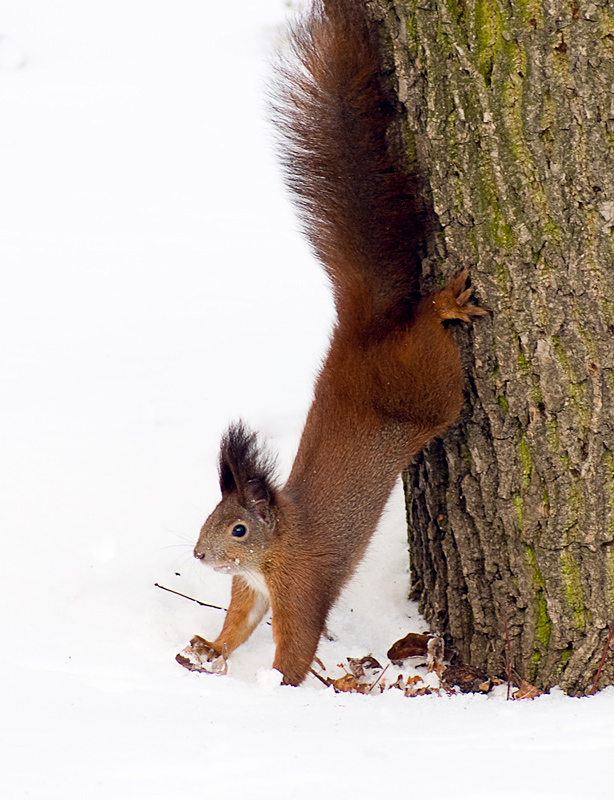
column 239, row 531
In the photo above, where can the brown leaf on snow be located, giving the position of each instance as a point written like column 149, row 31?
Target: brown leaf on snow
column 488, row 684
column 399, row 683
column 419, row 692
column 417, row 644
column 359, row 667
column 435, row 649
column 413, row 690
column 526, row 691
column 364, row 676
column 466, row 677
column 414, row 644
column 346, row 683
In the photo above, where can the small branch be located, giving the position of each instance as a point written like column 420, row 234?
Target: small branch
column 508, row 653
column 193, row 599
column 319, row 677
column 378, row 679
column 601, row 663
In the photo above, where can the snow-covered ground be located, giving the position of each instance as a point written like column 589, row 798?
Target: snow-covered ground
column 153, row 288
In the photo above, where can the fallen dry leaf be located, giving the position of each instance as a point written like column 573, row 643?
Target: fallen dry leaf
column 413, row 690
column 488, row 684
column 466, row 677
column 365, row 674
column 435, row 650
column 414, row 644
column 525, row 691
column 419, row 692
column 399, row 683
column 346, row 683
column 363, row 666
column 349, row 683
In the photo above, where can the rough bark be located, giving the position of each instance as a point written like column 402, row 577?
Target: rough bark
column 509, row 110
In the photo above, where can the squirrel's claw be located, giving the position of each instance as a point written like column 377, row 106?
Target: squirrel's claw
column 451, row 302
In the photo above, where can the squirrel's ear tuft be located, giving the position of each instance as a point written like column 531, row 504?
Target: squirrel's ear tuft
column 248, row 469
column 227, row 480
column 259, row 497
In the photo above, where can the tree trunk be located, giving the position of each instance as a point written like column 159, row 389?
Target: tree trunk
column 510, row 115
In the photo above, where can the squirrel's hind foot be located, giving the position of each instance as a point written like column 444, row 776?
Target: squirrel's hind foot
column 451, row 302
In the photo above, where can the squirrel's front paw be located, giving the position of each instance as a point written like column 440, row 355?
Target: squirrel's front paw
column 201, row 656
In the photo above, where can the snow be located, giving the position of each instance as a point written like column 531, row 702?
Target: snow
column 154, row 287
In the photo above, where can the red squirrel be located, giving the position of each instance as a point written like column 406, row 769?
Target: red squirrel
column 392, row 378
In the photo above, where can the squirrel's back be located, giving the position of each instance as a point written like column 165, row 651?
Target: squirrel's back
column 360, row 207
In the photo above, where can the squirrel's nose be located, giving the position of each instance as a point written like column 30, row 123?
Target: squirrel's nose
column 198, row 554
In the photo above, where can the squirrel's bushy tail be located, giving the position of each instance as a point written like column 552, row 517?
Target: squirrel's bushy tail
column 360, row 209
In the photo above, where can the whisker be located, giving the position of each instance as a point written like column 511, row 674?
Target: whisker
column 184, row 537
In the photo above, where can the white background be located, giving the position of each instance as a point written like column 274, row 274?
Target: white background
column 154, row 287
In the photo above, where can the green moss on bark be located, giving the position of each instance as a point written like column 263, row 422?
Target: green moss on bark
column 543, row 623
column 526, row 461
column 519, row 508
column 564, row 659
column 573, row 589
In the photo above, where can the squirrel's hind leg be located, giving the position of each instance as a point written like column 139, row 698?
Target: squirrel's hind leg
column 299, row 619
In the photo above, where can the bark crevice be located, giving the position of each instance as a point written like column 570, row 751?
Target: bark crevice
column 508, row 112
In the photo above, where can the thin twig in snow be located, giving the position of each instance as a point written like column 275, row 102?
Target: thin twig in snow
column 508, row 653
column 319, row 677
column 378, row 679
column 601, row 663
column 193, row 599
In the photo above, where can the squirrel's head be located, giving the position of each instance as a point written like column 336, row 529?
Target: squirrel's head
column 238, row 534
